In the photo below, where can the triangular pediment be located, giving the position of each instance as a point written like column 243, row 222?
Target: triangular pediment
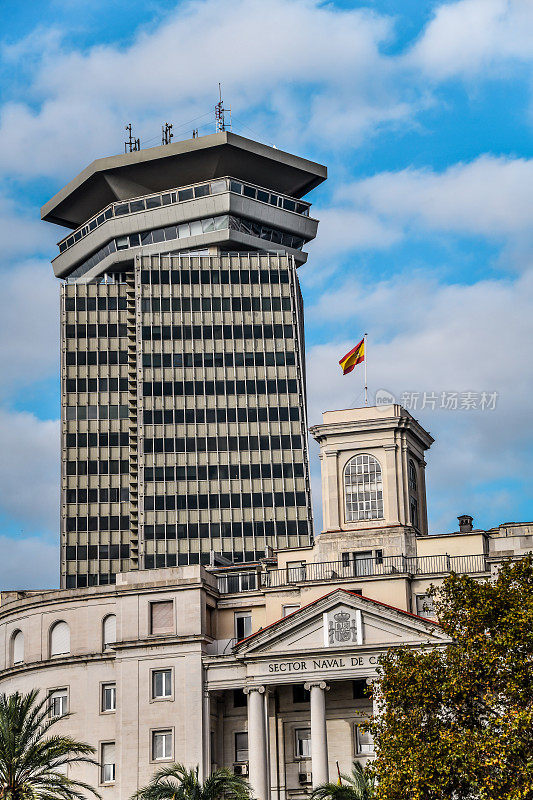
column 341, row 620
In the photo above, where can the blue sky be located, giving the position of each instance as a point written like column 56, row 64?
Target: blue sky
column 422, row 112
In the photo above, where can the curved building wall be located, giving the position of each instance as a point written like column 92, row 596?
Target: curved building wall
column 128, row 663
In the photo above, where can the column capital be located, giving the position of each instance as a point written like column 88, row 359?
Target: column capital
column 316, row 684
column 249, row 689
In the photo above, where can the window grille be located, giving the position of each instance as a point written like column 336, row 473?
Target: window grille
column 363, row 488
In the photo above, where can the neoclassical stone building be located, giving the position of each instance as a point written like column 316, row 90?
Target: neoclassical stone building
column 267, row 667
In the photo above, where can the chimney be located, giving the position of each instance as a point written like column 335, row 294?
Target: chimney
column 465, row 523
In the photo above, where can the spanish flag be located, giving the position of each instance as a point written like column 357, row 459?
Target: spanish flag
column 353, row 358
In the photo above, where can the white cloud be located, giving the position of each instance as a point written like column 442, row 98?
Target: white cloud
column 29, row 470
column 28, row 563
column 300, row 69
column 345, row 229
column 490, row 197
column 470, row 36
column 427, row 337
column 29, row 325
column 305, row 73
column 21, row 233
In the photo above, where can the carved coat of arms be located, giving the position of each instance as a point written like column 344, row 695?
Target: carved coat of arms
column 342, row 628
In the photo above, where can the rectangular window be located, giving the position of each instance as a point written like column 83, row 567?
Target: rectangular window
column 302, row 742
column 424, row 606
column 161, row 684
column 290, row 610
column 58, row 703
column 109, row 697
column 161, row 745
column 243, row 624
column 107, row 761
column 162, row 617
column 363, row 742
column 241, row 746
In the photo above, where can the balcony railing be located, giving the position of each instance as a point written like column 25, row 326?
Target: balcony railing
column 359, row 568
column 179, row 195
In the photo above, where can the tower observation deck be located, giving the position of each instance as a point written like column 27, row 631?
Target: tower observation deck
column 183, row 418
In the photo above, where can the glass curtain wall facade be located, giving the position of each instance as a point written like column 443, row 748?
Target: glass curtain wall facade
column 184, row 423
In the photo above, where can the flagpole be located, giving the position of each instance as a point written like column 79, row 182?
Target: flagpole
column 366, row 384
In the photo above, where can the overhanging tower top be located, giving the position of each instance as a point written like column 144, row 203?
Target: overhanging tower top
column 155, row 169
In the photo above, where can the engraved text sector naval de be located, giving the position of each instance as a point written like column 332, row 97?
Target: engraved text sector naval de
column 309, row 665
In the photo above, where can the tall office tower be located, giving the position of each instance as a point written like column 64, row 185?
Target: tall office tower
column 183, row 427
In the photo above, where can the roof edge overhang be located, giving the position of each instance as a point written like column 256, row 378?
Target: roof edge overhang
column 121, row 177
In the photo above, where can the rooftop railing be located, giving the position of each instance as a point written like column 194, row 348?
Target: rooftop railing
column 180, row 195
column 247, row 580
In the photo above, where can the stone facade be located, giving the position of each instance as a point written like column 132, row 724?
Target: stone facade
column 264, row 668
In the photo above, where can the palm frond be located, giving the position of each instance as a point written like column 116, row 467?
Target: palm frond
column 176, row 782
column 355, row 787
column 31, row 759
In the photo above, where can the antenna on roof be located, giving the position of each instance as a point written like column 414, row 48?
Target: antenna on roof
column 220, row 121
column 132, row 144
column 166, row 133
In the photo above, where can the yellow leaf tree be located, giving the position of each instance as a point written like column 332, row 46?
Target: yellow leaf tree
column 456, row 723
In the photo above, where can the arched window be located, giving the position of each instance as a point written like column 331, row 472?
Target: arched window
column 363, row 489
column 17, row 648
column 412, row 475
column 109, row 630
column 59, row 639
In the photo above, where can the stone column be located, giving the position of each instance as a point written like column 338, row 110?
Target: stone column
column 330, row 492
column 319, row 738
column 390, row 485
column 257, row 745
column 205, row 767
column 376, row 709
column 422, row 500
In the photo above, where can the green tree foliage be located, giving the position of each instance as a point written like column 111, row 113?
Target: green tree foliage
column 176, row 782
column 33, row 761
column 456, row 723
column 351, row 787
